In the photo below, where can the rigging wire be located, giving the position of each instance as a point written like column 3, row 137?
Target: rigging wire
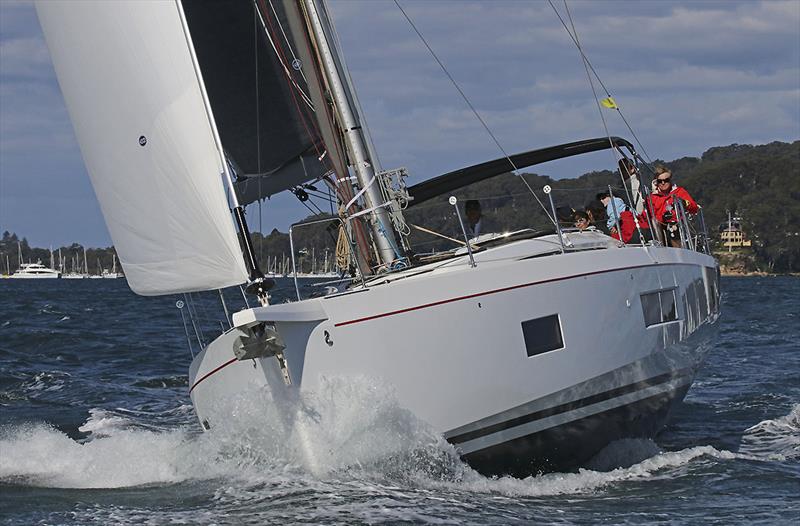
column 616, row 154
column 614, row 151
column 312, row 130
column 258, row 136
column 471, row 107
column 286, row 39
column 319, row 195
column 597, row 76
column 303, row 94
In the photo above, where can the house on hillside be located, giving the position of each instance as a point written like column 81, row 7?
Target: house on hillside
column 731, row 234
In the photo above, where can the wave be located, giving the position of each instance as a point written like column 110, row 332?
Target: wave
column 350, row 431
column 163, row 382
column 38, row 455
column 776, row 439
column 46, row 381
column 587, row 480
column 103, row 423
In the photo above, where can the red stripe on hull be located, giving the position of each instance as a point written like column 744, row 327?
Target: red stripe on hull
column 495, row 291
column 212, row 372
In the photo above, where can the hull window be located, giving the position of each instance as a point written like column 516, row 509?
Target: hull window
column 659, row 307
column 542, row 335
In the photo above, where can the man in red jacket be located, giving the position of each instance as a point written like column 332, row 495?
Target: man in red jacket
column 663, row 201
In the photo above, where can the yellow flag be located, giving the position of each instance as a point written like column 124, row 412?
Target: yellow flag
column 609, row 102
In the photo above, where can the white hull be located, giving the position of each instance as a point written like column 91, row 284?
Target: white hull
column 457, row 356
column 35, row 271
column 30, row 276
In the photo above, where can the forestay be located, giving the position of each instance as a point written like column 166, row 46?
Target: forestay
column 135, row 99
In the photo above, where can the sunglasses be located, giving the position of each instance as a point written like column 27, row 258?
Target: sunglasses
column 660, row 181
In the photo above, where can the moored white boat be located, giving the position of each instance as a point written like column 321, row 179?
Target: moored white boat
column 35, row 271
column 528, row 351
column 111, row 274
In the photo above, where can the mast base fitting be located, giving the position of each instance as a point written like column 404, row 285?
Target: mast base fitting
column 260, row 286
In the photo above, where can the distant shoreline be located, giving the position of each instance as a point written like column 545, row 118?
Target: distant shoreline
column 735, row 274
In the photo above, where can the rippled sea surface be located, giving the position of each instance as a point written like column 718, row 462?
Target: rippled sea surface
column 96, row 427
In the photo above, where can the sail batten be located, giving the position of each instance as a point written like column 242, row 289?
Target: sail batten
column 135, row 100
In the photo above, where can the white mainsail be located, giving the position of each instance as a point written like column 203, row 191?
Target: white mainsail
column 135, row 98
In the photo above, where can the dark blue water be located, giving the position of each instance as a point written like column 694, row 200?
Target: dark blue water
column 96, row 427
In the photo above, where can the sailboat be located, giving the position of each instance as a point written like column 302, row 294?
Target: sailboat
column 76, row 273
column 186, row 112
column 111, row 274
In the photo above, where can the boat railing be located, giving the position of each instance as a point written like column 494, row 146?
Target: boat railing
column 562, row 208
column 205, row 315
column 692, row 229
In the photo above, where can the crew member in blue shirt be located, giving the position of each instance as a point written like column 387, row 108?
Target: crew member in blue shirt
column 618, row 204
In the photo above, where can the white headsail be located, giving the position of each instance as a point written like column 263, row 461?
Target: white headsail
column 135, row 98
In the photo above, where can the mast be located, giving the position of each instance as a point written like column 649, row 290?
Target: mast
column 382, row 230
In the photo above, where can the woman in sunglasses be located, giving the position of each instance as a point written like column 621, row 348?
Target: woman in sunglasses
column 663, row 203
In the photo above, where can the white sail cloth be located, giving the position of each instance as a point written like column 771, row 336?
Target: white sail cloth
column 127, row 74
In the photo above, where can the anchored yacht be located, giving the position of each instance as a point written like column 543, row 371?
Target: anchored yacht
column 528, row 350
column 35, row 271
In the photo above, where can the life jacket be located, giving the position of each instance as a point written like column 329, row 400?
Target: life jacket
column 661, row 203
column 627, row 226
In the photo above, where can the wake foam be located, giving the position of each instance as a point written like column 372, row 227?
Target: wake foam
column 350, row 431
column 104, row 423
column 777, row 439
column 586, row 480
column 623, row 454
column 345, row 426
column 39, row 455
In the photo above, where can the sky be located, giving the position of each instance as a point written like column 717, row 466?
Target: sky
column 687, row 75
